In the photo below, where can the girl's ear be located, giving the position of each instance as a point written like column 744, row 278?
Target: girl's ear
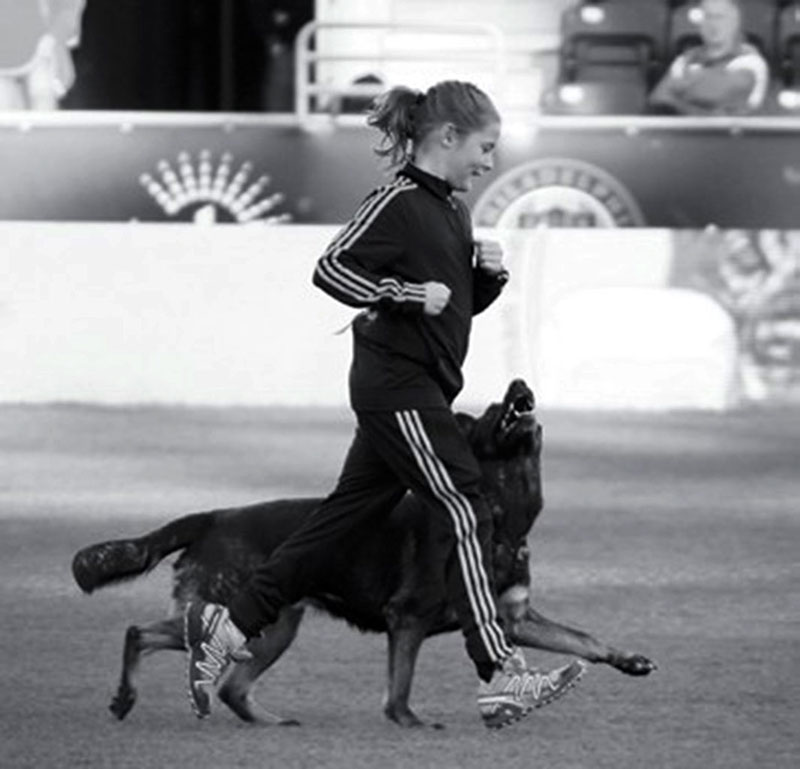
column 449, row 134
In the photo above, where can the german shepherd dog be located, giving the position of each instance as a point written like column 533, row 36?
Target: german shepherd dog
column 387, row 579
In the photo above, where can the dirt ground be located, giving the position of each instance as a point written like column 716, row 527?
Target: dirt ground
column 677, row 536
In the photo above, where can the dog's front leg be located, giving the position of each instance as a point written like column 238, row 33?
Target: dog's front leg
column 406, row 635
column 526, row 627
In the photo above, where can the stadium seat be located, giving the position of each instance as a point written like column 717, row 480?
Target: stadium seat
column 759, row 20
column 623, row 97
column 613, row 40
column 788, row 45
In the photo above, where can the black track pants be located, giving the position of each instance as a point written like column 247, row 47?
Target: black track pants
column 422, row 450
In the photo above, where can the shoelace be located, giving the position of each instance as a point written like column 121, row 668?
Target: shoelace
column 214, row 662
column 529, row 683
column 535, row 683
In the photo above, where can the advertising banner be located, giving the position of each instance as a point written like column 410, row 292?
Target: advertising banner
column 755, row 276
column 560, row 172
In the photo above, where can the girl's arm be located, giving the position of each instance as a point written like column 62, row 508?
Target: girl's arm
column 489, row 274
column 354, row 266
column 486, row 288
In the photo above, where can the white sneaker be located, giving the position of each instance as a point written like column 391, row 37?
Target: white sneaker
column 213, row 642
column 515, row 691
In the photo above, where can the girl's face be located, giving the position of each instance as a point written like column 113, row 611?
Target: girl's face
column 471, row 155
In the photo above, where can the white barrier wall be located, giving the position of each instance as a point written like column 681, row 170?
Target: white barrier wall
column 638, row 348
column 132, row 313
column 121, row 313
column 117, row 313
column 609, row 332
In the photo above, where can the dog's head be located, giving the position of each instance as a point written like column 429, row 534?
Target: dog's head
column 507, row 440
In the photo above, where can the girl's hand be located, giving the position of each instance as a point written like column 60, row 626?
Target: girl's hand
column 489, row 255
column 437, row 295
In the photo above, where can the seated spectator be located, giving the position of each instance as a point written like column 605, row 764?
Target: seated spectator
column 723, row 75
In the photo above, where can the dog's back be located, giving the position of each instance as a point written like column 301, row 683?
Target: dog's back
column 380, row 562
column 215, row 564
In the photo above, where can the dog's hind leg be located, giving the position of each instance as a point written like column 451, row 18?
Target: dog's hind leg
column 405, row 639
column 235, row 692
column 140, row 641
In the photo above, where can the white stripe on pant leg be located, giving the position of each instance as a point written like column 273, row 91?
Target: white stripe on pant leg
column 481, row 620
column 463, row 520
column 458, row 523
column 471, row 543
column 471, row 566
column 468, row 547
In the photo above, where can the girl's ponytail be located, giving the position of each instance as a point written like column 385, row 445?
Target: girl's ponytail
column 392, row 114
column 405, row 116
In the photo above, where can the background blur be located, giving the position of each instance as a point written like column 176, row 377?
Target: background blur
column 655, row 258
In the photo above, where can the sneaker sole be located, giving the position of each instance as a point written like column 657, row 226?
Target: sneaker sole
column 496, row 723
column 513, row 719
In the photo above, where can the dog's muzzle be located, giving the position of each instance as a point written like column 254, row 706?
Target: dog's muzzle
column 518, row 412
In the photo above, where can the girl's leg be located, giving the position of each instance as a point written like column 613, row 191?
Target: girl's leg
column 366, row 487
column 215, row 634
column 430, row 455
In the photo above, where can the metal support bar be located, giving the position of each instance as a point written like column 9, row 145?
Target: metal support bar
column 494, row 54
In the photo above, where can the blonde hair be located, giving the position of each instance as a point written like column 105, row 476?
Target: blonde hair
column 405, row 116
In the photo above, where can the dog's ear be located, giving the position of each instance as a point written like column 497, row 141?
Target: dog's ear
column 466, row 423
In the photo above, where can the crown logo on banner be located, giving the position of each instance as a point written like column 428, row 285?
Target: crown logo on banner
column 214, row 192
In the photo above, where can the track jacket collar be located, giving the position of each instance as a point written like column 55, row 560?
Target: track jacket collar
column 434, row 184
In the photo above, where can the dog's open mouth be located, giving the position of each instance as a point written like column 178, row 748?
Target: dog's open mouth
column 519, row 409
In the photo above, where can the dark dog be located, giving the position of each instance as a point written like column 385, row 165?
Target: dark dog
column 387, row 579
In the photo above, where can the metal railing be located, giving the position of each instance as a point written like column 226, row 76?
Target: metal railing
column 308, row 88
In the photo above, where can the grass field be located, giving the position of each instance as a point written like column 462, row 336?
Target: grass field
column 677, row 536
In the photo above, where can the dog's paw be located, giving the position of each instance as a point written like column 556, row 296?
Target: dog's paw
column 403, row 716
column 249, row 710
column 123, row 703
column 634, row 664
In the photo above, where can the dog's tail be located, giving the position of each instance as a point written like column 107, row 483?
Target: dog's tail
column 109, row 562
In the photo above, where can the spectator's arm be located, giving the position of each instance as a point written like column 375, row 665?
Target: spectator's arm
column 754, row 64
column 720, row 91
column 669, row 90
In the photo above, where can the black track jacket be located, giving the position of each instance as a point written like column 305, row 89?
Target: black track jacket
column 405, row 234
